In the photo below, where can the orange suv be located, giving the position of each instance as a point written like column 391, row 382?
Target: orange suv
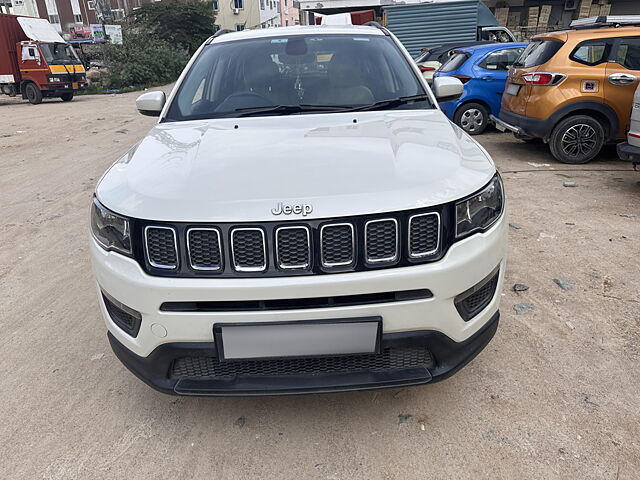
column 574, row 89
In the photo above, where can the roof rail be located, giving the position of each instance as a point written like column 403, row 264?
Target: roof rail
column 606, row 21
column 376, row 25
column 221, row 32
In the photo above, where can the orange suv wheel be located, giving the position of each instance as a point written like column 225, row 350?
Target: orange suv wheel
column 577, row 139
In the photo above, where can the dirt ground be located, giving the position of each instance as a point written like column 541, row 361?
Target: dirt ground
column 554, row 395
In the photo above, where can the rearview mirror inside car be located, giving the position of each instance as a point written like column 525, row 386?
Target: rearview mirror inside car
column 151, row 103
column 447, row 88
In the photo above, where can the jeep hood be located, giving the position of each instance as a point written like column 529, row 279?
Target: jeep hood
column 238, row 170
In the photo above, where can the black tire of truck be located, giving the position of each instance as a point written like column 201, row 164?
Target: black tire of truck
column 577, row 139
column 33, row 93
column 67, row 96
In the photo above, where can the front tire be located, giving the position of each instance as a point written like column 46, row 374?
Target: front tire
column 67, row 96
column 472, row 118
column 577, row 139
column 33, row 93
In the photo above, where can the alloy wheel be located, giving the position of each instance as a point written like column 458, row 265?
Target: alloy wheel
column 579, row 139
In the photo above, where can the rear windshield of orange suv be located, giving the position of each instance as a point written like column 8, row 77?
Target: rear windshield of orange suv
column 537, row 53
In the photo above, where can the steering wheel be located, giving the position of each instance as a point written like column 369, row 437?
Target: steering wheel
column 242, row 100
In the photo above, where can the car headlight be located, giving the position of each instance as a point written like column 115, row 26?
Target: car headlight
column 54, row 79
column 111, row 231
column 480, row 211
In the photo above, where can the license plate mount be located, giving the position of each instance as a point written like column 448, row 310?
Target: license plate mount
column 513, row 89
column 306, row 338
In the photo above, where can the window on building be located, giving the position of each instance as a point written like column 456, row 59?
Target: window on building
column 261, row 4
column 239, row 27
column 54, row 19
column 285, row 3
column 216, row 7
column 118, row 14
column 77, row 18
column 238, row 3
column 216, row 28
column 286, row 23
column 91, row 4
column 278, row 6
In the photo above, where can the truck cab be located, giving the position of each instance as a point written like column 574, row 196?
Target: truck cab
column 36, row 62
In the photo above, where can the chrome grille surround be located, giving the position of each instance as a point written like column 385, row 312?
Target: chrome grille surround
column 293, row 266
column 411, row 236
column 324, row 247
column 235, row 251
column 213, row 266
column 158, row 250
column 367, row 247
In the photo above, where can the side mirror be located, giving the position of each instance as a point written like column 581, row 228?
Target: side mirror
column 447, row 88
column 151, row 103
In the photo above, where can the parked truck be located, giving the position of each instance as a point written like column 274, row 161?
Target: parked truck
column 419, row 24
column 36, row 62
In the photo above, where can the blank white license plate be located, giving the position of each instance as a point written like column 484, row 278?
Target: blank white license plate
column 513, row 89
column 298, row 339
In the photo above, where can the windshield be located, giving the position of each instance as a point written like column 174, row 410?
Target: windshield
column 328, row 72
column 59, row 53
column 537, row 53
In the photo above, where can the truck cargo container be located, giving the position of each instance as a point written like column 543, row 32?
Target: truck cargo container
column 36, row 62
column 419, row 24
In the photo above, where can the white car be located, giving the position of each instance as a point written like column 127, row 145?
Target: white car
column 303, row 218
column 630, row 150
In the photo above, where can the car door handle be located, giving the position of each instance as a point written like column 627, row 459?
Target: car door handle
column 622, row 79
column 485, row 78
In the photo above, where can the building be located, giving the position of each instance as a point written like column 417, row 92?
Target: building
column 289, row 15
column 67, row 14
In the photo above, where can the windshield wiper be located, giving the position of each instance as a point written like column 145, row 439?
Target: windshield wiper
column 286, row 109
column 391, row 103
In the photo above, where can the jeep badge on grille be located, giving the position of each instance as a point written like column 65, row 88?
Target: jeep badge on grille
column 304, row 209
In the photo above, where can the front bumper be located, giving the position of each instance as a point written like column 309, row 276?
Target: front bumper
column 628, row 152
column 446, row 357
column 432, row 322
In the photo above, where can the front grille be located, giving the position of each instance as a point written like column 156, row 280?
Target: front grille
column 381, row 240
column 293, row 247
column 337, row 245
column 161, row 247
column 300, row 247
column 388, row 359
column 204, row 248
column 473, row 301
column 248, row 249
column 423, row 234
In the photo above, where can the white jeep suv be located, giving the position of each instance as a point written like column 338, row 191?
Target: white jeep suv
column 303, row 218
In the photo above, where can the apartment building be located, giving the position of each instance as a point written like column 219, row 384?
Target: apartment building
column 241, row 14
column 66, row 14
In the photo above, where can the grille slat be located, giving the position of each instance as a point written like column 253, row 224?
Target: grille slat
column 424, row 235
column 388, row 359
column 248, row 249
column 293, row 247
column 337, row 244
column 205, row 248
column 381, row 240
column 161, row 247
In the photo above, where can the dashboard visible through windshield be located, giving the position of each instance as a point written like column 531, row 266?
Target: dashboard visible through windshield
column 297, row 74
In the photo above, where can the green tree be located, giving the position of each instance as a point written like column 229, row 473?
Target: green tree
column 182, row 24
column 142, row 60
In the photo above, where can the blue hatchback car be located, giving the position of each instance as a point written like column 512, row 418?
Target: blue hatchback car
column 483, row 71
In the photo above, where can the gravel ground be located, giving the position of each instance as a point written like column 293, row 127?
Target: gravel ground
column 555, row 394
